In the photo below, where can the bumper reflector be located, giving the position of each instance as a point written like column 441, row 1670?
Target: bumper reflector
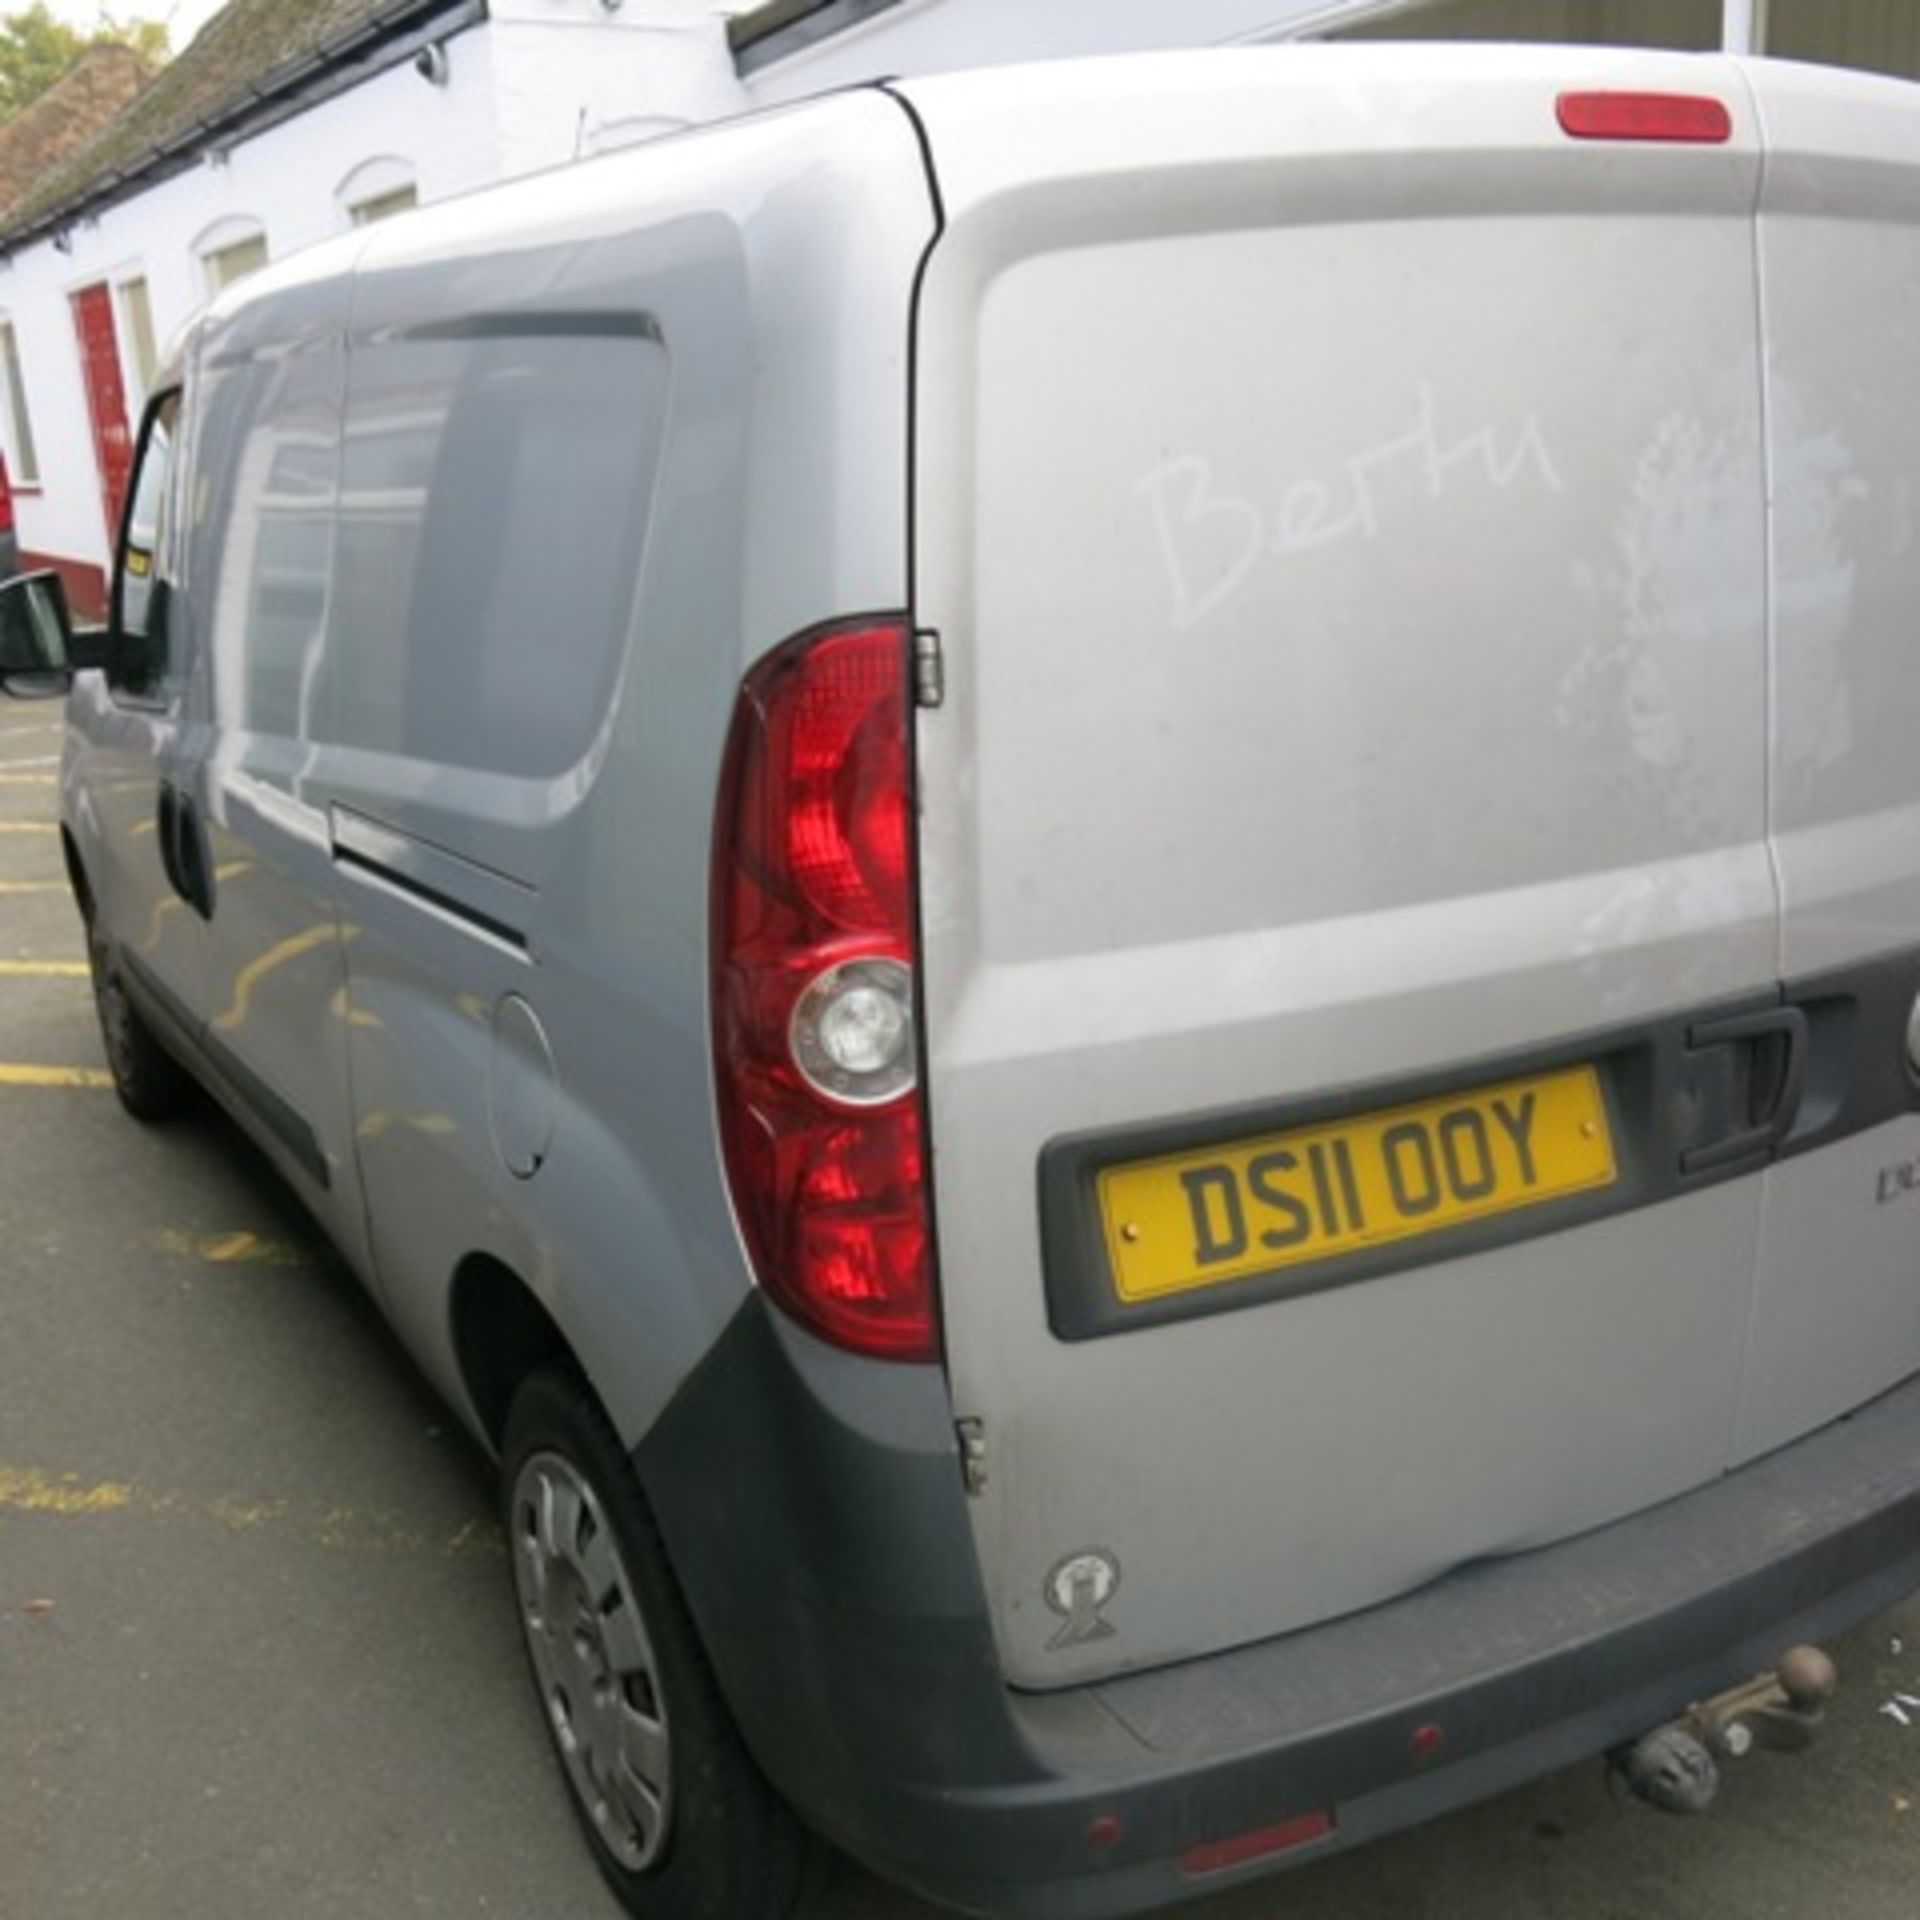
column 1216, row 1856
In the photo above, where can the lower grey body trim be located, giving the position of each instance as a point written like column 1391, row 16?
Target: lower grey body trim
column 822, row 1537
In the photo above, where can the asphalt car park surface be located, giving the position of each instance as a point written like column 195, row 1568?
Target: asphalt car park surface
column 257, row 1655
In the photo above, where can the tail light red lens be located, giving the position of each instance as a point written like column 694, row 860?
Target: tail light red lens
column 6, row 497
column 813, row 959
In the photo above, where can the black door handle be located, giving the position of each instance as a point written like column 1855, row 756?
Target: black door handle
column 1770, row 1043
column 166, row 824
column 196, row 867
column 183, row 849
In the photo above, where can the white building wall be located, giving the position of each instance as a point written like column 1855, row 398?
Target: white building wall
column 285, row 179
column 651, row 67
column 539, row 83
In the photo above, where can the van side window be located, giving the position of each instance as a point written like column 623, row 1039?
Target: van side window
column 146, row 575
column 270, row 440
column 493, row 516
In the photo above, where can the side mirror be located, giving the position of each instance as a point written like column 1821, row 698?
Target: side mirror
column 36, row 637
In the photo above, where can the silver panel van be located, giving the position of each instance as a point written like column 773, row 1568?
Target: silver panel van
column 1097, row 891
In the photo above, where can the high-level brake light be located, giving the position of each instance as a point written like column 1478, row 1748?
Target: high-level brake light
column 816, row 1055
column 1688, row 118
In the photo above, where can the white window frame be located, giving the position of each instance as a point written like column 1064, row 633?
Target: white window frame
column 226, row 236
column 133, row 376
column 16, row 412
column 379, row 179
column 1743, row 26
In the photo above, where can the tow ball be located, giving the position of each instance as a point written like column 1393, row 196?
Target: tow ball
column 1677, row 1767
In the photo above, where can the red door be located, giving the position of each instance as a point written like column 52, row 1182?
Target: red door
column 106, row 398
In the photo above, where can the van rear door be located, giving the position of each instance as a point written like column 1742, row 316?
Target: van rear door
column 1339, row 503
column 1837, row 1313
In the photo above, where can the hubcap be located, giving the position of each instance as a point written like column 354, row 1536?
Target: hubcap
column 592, row 1659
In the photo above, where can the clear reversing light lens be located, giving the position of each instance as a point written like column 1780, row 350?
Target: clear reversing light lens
column 852, row 1031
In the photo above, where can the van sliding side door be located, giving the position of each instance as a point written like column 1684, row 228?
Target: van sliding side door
column 278, row 1015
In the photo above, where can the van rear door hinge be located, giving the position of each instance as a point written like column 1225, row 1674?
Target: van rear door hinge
column 973, row 1454
column 929, row 670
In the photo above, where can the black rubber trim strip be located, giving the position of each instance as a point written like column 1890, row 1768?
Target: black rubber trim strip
column 432, row 897
column 480, row 897
column 277, row 1115
column 534, row 323
column 1669, row 1098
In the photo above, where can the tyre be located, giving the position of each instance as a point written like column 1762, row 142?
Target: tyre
column 681, row 1821
column 151, row 1084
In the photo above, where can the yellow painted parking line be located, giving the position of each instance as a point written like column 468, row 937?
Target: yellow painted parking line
column 25, row 1490
column 240, row 1249
column 380, row 1122
column 33, row 886
column 29, row 779
column 66, row 1496
column 22, row 1076
column 28, row 826
column 43, row 969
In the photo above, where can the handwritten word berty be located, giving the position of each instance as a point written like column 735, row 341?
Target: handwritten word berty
column 1211, row 540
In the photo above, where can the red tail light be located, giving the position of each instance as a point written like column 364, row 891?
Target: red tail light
column 6, row 497
column 813, row 991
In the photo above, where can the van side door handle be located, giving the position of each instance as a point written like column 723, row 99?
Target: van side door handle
column 166, row 826
column 1751, row 1069
column 183, row 849
column 196, row 864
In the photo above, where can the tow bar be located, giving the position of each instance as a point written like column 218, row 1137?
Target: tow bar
column 1677, row 1767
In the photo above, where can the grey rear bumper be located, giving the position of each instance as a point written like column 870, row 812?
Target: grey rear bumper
column 813, row 1507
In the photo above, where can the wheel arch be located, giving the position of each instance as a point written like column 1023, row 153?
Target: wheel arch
column 76, row 871
column 502, row 1334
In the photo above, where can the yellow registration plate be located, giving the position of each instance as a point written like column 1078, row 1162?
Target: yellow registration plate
column 1201, row 1219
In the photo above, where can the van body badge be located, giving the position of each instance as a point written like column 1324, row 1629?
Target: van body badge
column 1077, row 1589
